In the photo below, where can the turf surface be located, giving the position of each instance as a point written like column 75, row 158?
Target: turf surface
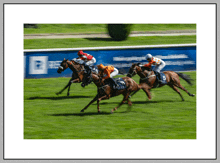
column 102, row 28
column 48, row 116
column 99, row 42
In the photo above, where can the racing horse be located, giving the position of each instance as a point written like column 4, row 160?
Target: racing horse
column 105, row 91
column 147, row 76
column 77, row 76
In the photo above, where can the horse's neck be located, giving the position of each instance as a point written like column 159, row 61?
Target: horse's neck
column 145, row 73
column 74, row 67
column 141, row 74
column 96, row 80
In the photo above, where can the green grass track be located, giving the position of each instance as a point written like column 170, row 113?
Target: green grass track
column 99, row 42
column 102, row 28
column 48, row 116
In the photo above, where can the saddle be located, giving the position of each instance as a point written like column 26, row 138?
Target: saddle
column 160, row 78
column 119, row 82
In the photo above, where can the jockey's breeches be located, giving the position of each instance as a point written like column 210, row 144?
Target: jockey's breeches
column 159, row 67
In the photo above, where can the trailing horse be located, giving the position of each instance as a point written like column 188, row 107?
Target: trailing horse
column 171, row 78
column 77, row 75
column 105, row 91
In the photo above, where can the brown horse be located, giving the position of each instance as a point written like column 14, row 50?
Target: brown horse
column 77, row 75
column 149, row 77
column 105, row 91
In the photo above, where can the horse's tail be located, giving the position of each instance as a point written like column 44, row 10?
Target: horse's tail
column 186, row 78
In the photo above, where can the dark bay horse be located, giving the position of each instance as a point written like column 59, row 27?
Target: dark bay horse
column 149, row 77
column 77, row 75
column 106, row 91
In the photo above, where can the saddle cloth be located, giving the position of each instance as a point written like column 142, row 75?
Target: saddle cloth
column 94, row 69
column 162, row 77
column 120, row 83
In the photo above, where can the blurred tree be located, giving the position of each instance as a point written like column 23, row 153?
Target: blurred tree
column 119, row 32
column 30, row 25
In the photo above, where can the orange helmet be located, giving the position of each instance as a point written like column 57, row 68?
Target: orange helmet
column 100, row 67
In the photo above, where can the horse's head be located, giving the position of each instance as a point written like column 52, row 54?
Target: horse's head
column 133, row 70
column 63, row 65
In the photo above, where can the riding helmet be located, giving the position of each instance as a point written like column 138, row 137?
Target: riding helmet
column 80, row 52
column 148, row 56
column 100, row 67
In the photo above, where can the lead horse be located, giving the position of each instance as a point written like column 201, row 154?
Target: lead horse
column 105, row 91
column 77, row 75
column 172, row 78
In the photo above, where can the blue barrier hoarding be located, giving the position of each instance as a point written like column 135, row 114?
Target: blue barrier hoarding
column 44, row 64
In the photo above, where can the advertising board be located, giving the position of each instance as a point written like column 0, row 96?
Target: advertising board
column 44, row 63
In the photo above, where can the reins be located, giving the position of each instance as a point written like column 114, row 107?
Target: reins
column 146, row 76
column 76, row 71
column 131, row 74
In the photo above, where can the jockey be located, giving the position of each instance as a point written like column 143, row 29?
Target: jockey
column 159, row 64
column 86, row 59
column 109, row 72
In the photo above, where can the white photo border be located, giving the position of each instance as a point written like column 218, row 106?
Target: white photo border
column 203, row 15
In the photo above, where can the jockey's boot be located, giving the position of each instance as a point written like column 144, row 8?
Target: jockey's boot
column 88, row 69
column 87, row 74
column 115, row 85
column 158, row 77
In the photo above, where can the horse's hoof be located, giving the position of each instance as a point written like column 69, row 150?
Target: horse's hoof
column 68, row 94
column 129, row 96
column 82, row 111
column 112, row 112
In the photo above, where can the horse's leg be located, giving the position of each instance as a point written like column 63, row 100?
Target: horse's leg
column 175, row 89
column 123, row 101
column 133, row 93
column 99, row 99
column 68, row 85
column 96, row 97
column 176, row 82
column 146, row 89
column 68, row 92
column 129, row 102
column 184, row 89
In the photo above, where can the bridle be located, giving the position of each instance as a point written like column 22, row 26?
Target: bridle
column 132, row 74
column 135, row 71
column 65, row 64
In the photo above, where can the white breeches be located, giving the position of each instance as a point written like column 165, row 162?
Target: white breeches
column 87, row 63
column 159, row 67
column 91, row 62
column 114, row 73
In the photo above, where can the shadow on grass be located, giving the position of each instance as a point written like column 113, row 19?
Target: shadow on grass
column 152, row 102
column 138, row 102
column 99, row 39
column 80, row 114
column 58, row 97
